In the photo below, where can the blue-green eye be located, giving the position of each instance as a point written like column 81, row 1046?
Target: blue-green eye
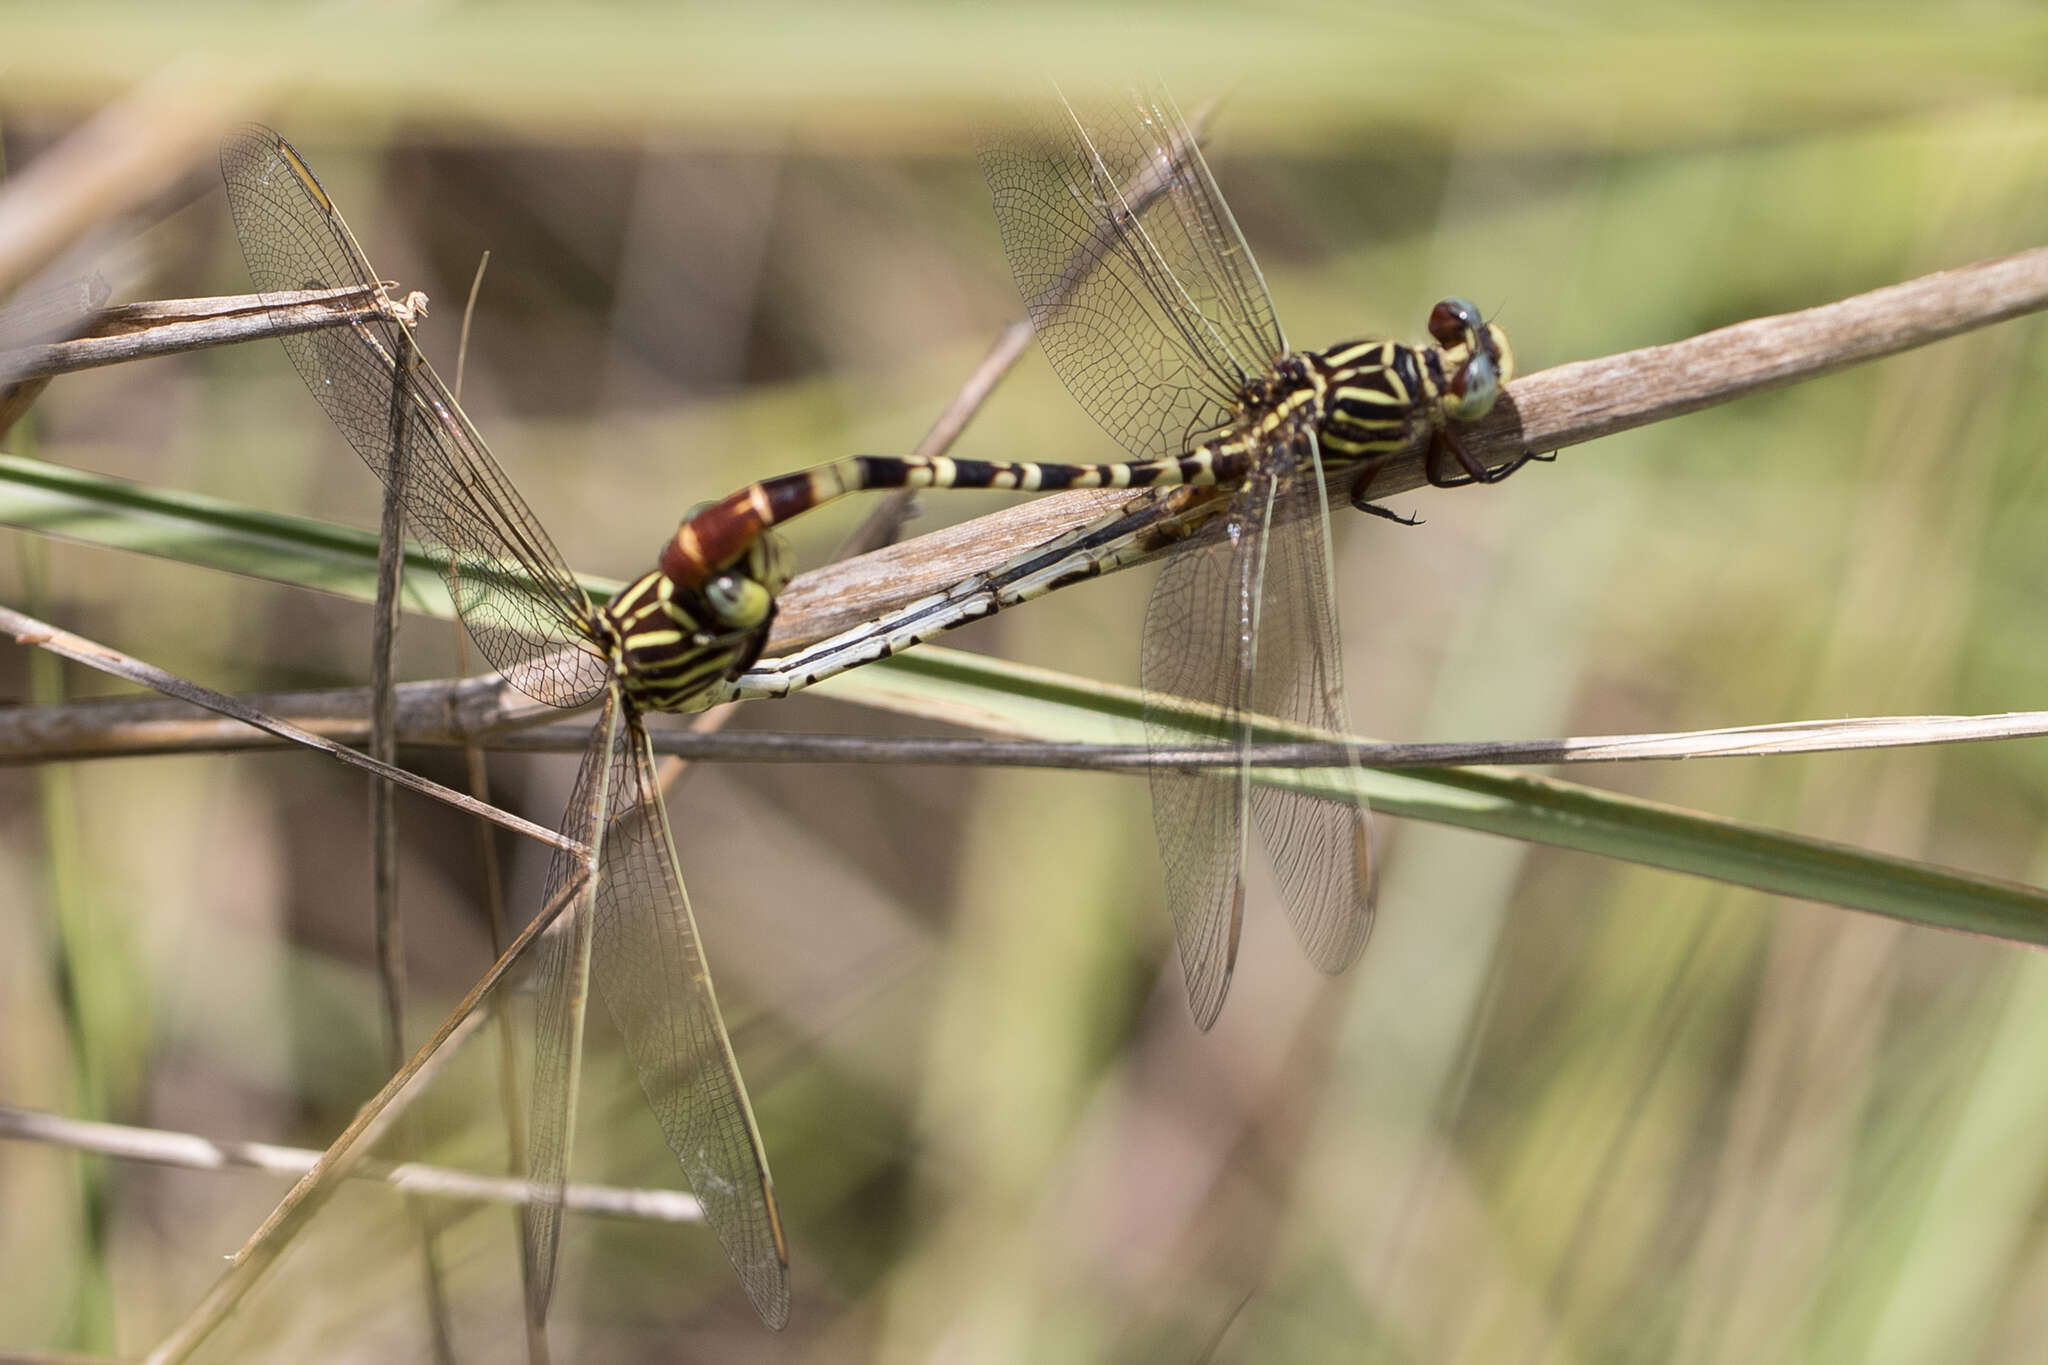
column 738, row 601
column 1478, row 388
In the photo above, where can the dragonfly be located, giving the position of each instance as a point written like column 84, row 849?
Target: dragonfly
column 1148, row 301
column 632, row 928
column 1155, row 315
column 667, row 642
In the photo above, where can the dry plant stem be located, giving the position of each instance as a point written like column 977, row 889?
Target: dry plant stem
column 193, row 1152
column 442, row 712
column 476, row 284
column 371, row 1121
column 386, row 912
column 463, row 712
column 390, row 935
column 29, row 631
column 1755, row 741
column 138, row 331
column 512, row 1110
column 1593, row 398
column 1558, row 407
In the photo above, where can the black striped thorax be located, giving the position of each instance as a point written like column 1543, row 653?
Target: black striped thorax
column 1361, row 400
column 667, row 647
column 1378, row 397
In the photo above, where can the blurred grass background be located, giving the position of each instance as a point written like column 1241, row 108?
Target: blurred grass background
column 1564, row 1110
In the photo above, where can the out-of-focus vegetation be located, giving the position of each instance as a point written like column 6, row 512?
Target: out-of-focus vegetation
column 1563, row 1110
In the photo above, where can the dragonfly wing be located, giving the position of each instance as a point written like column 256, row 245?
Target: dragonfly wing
column 563, row 985
column 1321, row 849
column 512, row 586
column 652, row 974
column 1140, row 286
column 1200, row 637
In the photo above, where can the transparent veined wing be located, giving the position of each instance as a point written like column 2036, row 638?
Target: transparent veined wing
column 636, row 936
column 514, row 590
column 1244, row 625
column 652, row 975
column 1200, row 647
column 562, row 988
column 1140, row 286
column 1322, row 850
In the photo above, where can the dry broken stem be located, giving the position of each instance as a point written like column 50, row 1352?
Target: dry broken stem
column 157, row 327
column 191, row 1151
column 1558, row 407
column 1562, row 406
column 482, row 710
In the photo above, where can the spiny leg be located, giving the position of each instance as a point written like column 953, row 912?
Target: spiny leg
column 1475, row 472
column 1362, row 501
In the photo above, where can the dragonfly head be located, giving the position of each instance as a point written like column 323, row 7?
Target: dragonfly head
column 1477, row 359
column 673, row 641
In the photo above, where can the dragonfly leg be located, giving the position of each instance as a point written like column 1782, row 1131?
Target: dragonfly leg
column 1362, row 500
column 1446, row 439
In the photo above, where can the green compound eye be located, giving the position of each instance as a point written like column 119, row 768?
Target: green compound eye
column 1479, row 386
column 739, row 601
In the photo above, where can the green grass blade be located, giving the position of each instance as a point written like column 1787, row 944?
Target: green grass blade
column 213, row 533
column 1005, row 698
column 985, row 693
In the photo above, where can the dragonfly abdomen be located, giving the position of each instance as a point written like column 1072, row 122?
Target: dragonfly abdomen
column 714, row 535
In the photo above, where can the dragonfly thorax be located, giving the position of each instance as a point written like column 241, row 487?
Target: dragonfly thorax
column 672, row 643
column 1381, row 397
column 1275, row 412
column 1377, row 397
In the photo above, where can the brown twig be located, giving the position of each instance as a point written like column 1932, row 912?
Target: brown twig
column 428, row 713
column 1562, row 406
column 26, row 630
column 139, row 331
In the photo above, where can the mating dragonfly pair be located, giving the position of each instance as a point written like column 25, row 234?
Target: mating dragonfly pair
column 1148, row 303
